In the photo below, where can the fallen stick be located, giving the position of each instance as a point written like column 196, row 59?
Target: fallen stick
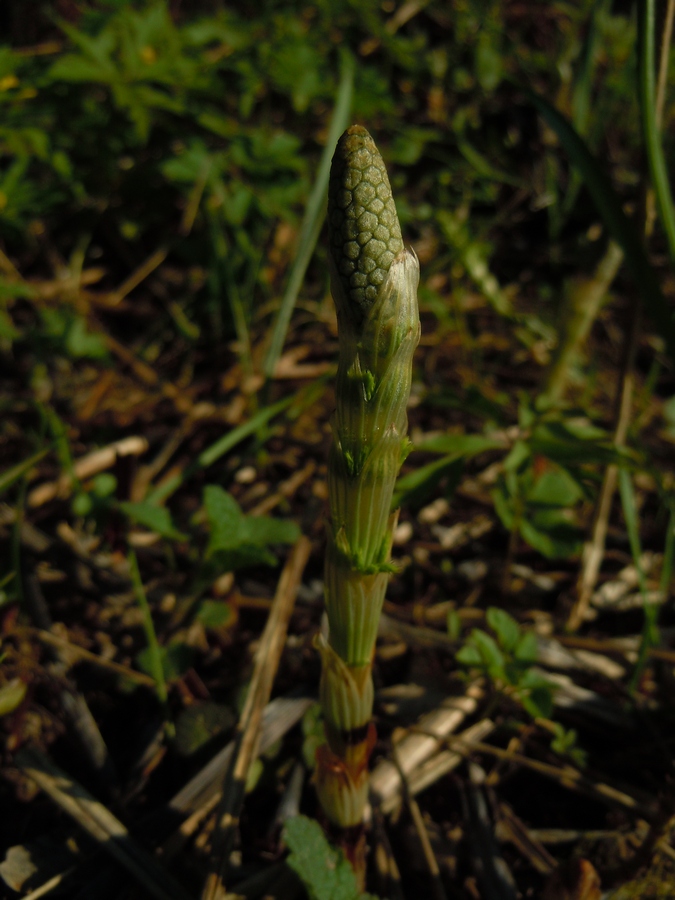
column 247, row 741
column 417, row 747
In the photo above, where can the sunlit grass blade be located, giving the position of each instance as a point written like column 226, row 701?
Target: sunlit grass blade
column 220, row 448
column 615, row 220
column 314, row 214
column 650, row 129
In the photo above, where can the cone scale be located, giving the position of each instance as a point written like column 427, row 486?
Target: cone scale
column 374, row 283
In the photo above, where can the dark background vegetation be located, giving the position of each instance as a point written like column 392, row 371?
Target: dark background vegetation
column 156, row 161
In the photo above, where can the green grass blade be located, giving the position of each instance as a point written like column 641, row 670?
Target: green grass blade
column 650, row 129
column 582, row 96
column 314, row 214
column 215, row 451
column 15, row 473
column 632, row 524
column 156, row 668
column 615, row 220
column 650, row 634
column 668, row 555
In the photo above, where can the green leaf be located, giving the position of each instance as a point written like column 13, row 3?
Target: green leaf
column 488, row 60
column 517, row 457
column 503, row 506
column 538, row 702
column 566, row 443
column 196, row 725
column 82, row 504
column 154, row 518
column 491, row 656
column 453, row 624
column 469, row 656
column 555, row 487
column 263, row 530
column 243, row 539
column 175, row 660
column 551, row 534
column 225, row 519
column 466, row 445
column 215, row 614
column 526, row 650
column 416, row 487
column 74, row 68
column 505, row 627
column 324, row 871
column 104, row 485
column 536, row 694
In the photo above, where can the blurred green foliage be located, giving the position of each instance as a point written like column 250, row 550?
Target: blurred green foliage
column 199, row 134
column 133, row 130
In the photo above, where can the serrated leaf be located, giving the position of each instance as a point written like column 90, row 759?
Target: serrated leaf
column 324, row 871
column 155, row 518
column 240, row 540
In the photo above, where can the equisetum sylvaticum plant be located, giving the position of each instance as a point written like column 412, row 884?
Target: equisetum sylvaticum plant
column 374, row 283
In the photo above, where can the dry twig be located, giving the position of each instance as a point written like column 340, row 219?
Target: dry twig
column 247, row 741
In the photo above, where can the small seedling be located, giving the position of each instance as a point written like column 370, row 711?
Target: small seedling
column 508, row 660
